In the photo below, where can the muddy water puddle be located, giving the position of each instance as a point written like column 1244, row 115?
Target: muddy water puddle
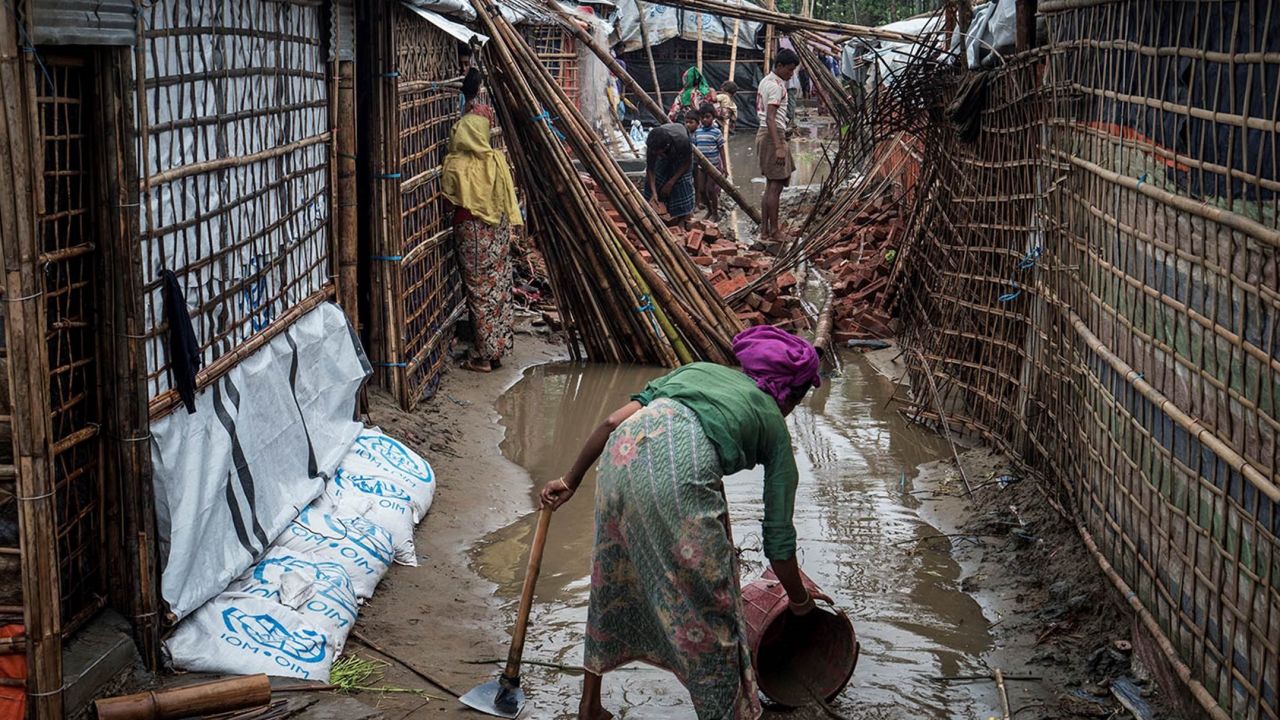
column 807, row 149
column 858, row 529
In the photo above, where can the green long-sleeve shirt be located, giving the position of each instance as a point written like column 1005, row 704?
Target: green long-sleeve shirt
column 747, row 429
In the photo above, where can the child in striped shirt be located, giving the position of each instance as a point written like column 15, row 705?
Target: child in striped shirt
column 709, row 141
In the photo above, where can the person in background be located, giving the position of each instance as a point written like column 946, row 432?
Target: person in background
column 668, row 170
column 727, row 106
column 776, row 163
column 690, row 120
column 664, row 573
column 691, row 95
column 471, row 96
column 709, row 141
column 475, row 179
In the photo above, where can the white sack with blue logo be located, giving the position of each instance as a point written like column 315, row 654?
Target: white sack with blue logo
column 231, row 477
column 244, row 634
column 317, row 587
column 380, row 457
column 365, row 550
column 379, row 501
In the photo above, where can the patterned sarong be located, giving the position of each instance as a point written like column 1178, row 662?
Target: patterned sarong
column 664, row 578
column 485, row 254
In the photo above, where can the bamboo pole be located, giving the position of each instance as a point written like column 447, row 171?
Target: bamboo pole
column 733, row 50
column 706, row 165
column 20, row 190
column 348, row 237
column 622, row 194
column 208, row 698
column 698, row 19
column 653, row 67
column 771, row 6
column 132, row 537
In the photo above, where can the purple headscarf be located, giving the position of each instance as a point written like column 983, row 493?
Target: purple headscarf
column 778, row 361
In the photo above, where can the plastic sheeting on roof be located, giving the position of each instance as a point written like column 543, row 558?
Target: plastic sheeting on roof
column 665, row 23
column 458, row 31
column 454, row 8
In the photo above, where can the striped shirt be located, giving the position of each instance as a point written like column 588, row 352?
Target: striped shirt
column 709, row 141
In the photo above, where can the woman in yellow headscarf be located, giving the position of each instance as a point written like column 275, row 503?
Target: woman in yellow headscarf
column 475, row 178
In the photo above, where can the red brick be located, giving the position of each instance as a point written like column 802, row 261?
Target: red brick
column 703, row 260
column 727, row 287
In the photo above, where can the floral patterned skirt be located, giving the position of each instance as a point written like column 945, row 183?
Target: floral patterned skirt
column 485, row 253
column 664, row 577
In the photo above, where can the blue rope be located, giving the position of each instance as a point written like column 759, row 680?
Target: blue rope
column 1011, row 296
column 646, row 306
column 392, row 74
column 546, row 117
column 389, row 258
column 399, row 364
column 1031, row 258
column 389, row 176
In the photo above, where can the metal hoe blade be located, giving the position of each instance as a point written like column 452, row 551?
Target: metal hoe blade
column 495, row 699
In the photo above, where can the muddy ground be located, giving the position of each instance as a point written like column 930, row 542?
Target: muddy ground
column 942, row 588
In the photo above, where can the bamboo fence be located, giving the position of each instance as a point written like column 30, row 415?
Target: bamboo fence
column 1092, row 283
column 557, row 49
column 419, row 283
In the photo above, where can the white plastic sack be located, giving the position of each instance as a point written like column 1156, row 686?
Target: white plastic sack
column 318, row 589
column 364, row 550
column 243, row 634
column 381, row 502
column 377, row 455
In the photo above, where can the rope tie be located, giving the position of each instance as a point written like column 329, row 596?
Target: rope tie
column 387, row 258
column 646, row 306
column 389, row 176
column 546, row 118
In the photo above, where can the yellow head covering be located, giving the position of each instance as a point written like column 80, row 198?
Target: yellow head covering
column 475, row 176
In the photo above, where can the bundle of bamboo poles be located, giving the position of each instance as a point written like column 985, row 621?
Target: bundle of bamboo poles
column 838, row 100
column 619, row 306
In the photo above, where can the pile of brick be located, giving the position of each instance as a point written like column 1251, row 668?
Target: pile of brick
column 859, row 268
column 730, row 267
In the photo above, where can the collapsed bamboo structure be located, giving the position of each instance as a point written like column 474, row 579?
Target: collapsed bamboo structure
column 619, row 306
column 656, row 110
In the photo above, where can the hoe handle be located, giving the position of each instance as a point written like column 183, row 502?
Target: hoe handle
column 526, row 594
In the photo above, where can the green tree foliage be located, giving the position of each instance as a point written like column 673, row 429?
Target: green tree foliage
column 861, row 12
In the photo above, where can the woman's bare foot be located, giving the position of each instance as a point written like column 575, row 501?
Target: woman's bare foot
column 482, row 366
column 598, row 713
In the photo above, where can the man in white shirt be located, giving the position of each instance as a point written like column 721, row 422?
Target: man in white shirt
column 776, row 163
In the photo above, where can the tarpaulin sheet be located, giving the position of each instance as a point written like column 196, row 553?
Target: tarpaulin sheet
column 665, row 23
column 230, row 477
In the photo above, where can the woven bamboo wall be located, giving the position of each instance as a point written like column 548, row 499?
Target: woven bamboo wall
column 1097, row 292
column 558, row 51
column 419, row 282
column 235, row 149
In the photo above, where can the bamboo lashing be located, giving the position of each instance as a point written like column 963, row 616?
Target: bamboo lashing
column 707, row 167
column 619, row 306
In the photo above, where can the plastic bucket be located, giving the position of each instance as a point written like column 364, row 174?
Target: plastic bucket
column 814, row 658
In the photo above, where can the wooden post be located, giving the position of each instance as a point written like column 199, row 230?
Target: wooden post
column 771, row 5
column 127, row 447
column 1026, row 22
column 698, row 19
column 20, row 191
column 733, row 50
column 648, row 53
column 348, row 239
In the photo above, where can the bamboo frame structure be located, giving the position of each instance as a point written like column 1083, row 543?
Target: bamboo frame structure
column 28, row 368
column 1090, row 277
